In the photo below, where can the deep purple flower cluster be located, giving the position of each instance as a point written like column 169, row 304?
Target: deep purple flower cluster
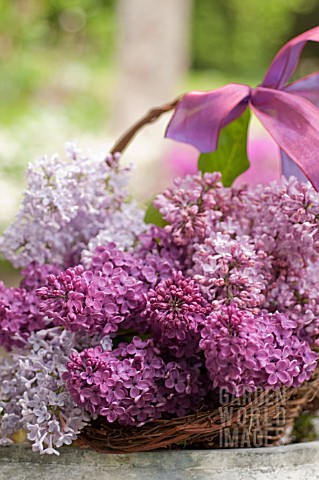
column 19, row 307
column 176, row 312
column 17, row 319
column 92, row 301
column 150, row 264
column 244, row 352
column 153, row 260
column 131, row 384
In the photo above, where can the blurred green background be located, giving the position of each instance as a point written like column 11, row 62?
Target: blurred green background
column 59, row 54
column 46, row 47
column 59, row 66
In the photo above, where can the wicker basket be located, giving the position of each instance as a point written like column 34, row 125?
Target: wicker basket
column 259, row 419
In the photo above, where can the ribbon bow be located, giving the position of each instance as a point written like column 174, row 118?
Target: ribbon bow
column 288, row 112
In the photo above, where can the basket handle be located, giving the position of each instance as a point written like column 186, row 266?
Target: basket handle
column 150, row 117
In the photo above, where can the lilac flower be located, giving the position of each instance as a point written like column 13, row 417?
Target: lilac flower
column 186, row 206
column 35, row 275
column 223, row 297
column 19, row 307
column 244, row 352
column 19, row 316
column 93, row 301
column 34, row 397
column 132, row 384
column 230, row 270
column 176, row 311
column 66, row 204
column 159, row 255
column 278, row 372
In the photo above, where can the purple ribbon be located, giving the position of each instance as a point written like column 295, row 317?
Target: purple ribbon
column 289, row 112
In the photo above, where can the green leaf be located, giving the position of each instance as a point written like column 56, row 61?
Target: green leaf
column 153, row 215
column 230, row 158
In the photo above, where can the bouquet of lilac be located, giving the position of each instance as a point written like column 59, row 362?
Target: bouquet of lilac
column 134, row 322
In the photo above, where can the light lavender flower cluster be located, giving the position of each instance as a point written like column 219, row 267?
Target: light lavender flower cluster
column 34, row 397
column 155, row 321
column 69, row 204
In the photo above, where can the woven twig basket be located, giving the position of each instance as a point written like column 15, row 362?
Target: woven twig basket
column 259, row 419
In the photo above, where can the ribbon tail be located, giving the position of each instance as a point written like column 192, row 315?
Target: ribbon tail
column 290, row 168
column 199, row 116
column 293, row 122
column 306, row 87
column 286, row 60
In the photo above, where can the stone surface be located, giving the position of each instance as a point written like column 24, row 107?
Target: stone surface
column 291, row 462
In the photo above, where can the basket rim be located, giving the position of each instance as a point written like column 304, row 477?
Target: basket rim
column 203, row 428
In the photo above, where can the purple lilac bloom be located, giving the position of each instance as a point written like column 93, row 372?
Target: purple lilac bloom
column 230, row 270
column 19, row 307
column 19, row 316
column 132, row 384
column 176, row 310
column 35, row 275
column 224, row 297
column 160, row 255
column 147, row 264
column 106, row 258
column 92, row 301
column 283, row 221
column 186, row 206
column 244, row 352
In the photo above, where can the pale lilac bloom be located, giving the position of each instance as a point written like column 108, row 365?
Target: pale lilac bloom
column 66, row 204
